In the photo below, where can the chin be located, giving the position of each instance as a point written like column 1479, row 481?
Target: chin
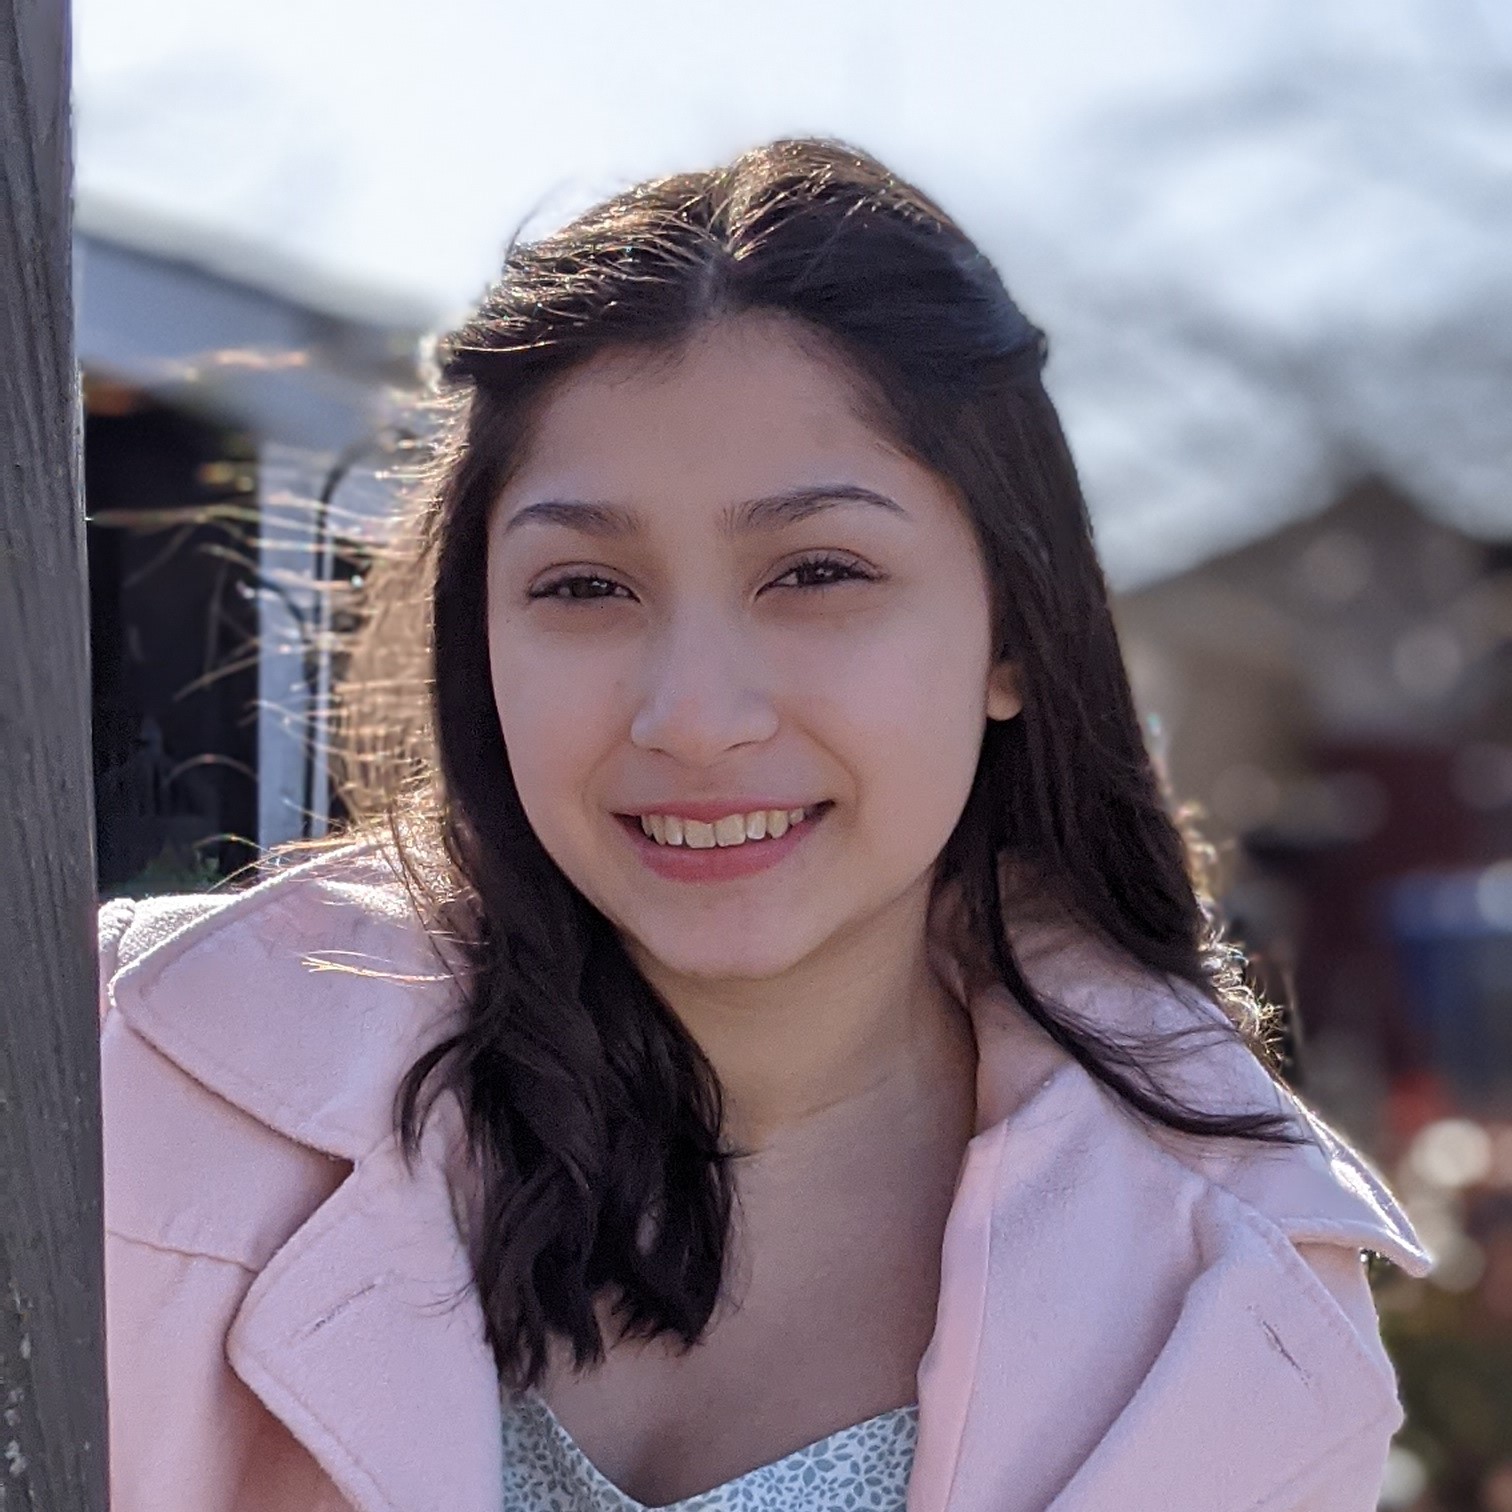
column 704, row 959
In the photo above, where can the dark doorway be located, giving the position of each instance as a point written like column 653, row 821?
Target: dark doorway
column 173, row 624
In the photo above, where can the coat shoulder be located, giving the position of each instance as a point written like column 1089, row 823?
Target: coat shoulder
column 148, row 932
column 299, row 1001
column 1318, row 1189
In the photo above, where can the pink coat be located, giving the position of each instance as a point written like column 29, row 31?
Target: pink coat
column 1125, row 1322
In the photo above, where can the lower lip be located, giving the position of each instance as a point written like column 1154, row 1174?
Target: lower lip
column 719, row 863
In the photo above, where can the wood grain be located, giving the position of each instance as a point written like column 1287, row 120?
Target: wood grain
column 52, row 1396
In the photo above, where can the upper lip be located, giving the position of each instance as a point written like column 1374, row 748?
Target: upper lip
column 710, row 809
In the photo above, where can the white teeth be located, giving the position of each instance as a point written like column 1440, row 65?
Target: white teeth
column 732, row 829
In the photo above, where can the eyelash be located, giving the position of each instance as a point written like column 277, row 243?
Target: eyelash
column 848, row 571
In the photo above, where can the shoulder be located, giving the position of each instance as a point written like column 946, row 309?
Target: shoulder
column 299, row 1002
column 1318, row 1190
column 328, row 893
column 1264, row 1240
column 1162, row 1285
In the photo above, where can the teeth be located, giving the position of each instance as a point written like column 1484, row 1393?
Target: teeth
column 730, row 830
column 733, row 829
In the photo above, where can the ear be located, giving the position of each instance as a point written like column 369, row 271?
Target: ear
column 1003, row 697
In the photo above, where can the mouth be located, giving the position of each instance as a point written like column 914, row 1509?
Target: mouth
column 708, row 851
column 726, row 832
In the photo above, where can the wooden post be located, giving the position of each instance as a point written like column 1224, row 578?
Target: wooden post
column 52, row 1385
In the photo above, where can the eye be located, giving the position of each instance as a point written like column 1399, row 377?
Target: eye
column 823, row 571
column 576, row 586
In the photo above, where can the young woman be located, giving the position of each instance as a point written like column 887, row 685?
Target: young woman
column 776, row 1054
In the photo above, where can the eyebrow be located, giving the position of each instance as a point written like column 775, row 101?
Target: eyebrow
column 772, row 512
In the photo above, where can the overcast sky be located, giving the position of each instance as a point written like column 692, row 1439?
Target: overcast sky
column 396, row 143
column 1269, row 239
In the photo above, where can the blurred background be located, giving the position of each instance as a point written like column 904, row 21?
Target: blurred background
column 1272, row 245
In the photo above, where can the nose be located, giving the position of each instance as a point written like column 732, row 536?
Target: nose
column 704, row 695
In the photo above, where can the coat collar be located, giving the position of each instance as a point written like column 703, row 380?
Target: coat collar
column 1320, row 1190
column 369, row 1300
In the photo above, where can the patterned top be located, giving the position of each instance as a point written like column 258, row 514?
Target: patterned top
column 863, row 1468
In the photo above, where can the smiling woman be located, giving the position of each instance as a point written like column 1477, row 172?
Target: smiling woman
column 781, row 1016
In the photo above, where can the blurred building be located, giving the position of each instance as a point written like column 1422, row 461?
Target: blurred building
column 1336, row 697
column 223, row 426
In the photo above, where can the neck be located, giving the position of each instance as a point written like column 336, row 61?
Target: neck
column 864, row 1033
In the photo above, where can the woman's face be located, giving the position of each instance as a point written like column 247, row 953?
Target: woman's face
column 714, row 594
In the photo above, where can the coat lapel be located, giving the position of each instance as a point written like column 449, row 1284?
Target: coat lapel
column 365, row 1337
column 1117, row 1330
column 1260, row 1380
column 362, row 1333
column 1124, row 1318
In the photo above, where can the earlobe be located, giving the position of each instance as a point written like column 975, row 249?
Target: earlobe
column 1003, row 697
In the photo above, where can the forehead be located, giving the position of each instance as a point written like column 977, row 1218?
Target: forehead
column 748, row 405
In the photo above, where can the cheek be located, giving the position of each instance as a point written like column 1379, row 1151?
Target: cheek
column 556, row 723
column 907, row 708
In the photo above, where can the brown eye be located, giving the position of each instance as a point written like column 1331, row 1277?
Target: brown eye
column 822, row 572
column 579, row 586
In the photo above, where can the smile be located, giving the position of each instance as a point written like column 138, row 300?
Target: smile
column 720, row 848
column 730, row 830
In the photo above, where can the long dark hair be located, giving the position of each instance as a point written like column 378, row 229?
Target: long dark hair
column 594, row 1121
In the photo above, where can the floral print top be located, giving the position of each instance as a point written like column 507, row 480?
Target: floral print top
column 863, row 1468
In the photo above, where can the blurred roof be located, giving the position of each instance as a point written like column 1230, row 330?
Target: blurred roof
column 1270, row 243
